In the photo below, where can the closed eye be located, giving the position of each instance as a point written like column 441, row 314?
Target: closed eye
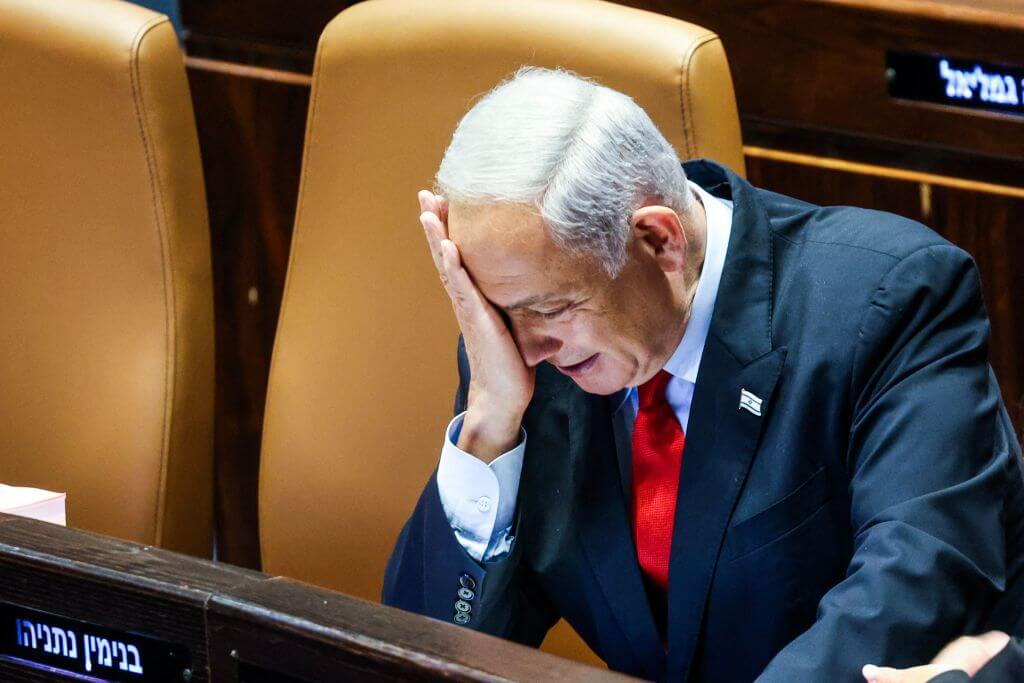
column 551, row 315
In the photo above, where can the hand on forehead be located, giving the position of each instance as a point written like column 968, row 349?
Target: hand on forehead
column 509, row 252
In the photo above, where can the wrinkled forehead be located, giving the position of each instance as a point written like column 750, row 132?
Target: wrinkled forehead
column 496, row 225
column 509, row 235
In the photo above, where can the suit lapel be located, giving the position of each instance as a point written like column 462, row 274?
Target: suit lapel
column 605, row 531
column 722, row 436
column 623, row 417
column 720, row 447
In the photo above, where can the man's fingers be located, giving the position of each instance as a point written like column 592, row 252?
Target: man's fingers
column 436, row 204
column 884, row 674
column 876, row 674
column 994, row 641
column 460, row 286
column 434, row 238
column 446, row 255
column 881, row 674
column 967, row 653
column 970, row 653
column 458, row 278
column 426, row 199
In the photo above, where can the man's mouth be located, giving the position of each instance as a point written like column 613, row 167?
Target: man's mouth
column 580, row 368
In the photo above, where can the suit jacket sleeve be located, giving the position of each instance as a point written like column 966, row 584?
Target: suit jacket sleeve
column 926, row 484
column 428, row 566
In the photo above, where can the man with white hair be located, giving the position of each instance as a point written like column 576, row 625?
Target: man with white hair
column 722, row 432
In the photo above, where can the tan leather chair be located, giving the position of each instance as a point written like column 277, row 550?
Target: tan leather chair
column 106, row 323
column 363, row 374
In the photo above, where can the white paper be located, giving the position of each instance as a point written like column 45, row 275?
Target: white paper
column 46, row 506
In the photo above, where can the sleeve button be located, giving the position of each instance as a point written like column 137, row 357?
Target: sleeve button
column 463, row 606
column 467, row 581
column 461, row 618
column 466, row 594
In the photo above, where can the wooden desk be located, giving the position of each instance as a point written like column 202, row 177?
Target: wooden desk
column 223, row 623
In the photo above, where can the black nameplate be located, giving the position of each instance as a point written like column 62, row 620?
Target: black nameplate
column 961, row 83
column 84, row 651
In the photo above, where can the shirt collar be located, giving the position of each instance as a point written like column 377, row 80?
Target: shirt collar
column 685, row 361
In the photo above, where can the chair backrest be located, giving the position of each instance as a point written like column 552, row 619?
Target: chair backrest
column 106, row 305
column 363, row 373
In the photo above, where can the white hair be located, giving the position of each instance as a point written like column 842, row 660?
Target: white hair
column 583, row 155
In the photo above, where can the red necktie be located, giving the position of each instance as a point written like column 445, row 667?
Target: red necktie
column 658, row 442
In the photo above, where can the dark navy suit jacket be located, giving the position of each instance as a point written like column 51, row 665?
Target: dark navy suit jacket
column 861, row 518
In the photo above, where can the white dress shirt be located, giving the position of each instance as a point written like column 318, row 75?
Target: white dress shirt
column 479, row 499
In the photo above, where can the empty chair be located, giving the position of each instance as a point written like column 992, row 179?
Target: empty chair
column 363, row 373
column 106, row 323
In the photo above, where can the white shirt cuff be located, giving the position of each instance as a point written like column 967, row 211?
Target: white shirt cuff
column 479, row 500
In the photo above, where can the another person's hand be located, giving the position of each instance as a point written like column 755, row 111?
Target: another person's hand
column 967, row 653
column 501, row 384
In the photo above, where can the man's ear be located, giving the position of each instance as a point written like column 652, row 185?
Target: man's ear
column 659, row 231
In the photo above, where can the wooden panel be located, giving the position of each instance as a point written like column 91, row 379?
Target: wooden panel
column 823, row 186
column 272, row 22
column 967, row 11
column 819, row 67
column 227, row 617
column 250, row 135
column 880, row 151
column 273, row 33
column 257, row 624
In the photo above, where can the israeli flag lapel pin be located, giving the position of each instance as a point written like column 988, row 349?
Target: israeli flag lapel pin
column 750, row 402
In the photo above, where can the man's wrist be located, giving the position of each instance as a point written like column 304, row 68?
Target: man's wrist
column 486, row 435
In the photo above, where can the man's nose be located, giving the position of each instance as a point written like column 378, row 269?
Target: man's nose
column 535, row 344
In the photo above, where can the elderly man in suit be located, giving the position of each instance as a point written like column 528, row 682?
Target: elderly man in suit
column 724, row 433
